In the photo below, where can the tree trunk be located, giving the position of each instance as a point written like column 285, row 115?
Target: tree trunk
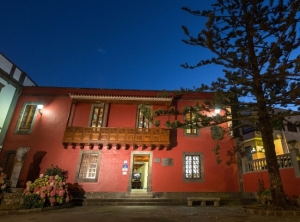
column 278, row 195
column 279, row 200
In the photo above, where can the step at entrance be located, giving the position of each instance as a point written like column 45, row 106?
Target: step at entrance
column 137, row 195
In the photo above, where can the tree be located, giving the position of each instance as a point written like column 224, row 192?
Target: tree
column 253, row 41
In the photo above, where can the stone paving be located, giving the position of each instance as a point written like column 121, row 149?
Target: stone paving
column 146, row 214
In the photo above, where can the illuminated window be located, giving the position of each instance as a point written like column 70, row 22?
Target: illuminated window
column 97, row 118
column 193, row 167
column 88, row 167
column 98, row 115
column 189, row 118
column 142, row 122
column 27, row 118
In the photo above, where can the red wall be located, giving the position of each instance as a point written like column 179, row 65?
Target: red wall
column 290, row 183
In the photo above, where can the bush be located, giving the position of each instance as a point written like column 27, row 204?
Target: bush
column 55, row 170
column 4, row 183
column 32, row 201
column 47, row 190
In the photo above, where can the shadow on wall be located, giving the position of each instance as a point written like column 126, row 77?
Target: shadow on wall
column 76, row 190
column 34, row 167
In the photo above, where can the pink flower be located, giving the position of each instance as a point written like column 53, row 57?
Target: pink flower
column 41, row 175
column 51, row 177
column 42, row 195
column 61, row 193
column 52, row 193
column 28, row 183
column 67, row 199
column 43, row 189
column 52, row 200
column 56, row 177
column 49, row 187
column 3, row 175
column 60, row 183
column 36, row 189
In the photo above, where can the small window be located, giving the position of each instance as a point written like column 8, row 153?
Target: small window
column 98, row 115
column 191, row 128
column 27, row 118
column 142, row 121
column 291, row 127
column 88, row 167
column 193, row 167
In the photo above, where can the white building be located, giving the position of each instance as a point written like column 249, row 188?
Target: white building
column 12, row 79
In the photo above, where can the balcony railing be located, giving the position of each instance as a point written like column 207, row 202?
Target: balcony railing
column 118, row 136
column 284, row 161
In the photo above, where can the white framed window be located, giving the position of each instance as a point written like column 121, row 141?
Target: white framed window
column 193, row 167
column 27, row 118
column 88, row 166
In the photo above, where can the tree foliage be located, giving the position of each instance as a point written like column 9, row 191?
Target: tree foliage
column 255, row 42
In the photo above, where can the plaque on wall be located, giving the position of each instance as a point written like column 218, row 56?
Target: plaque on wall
column 167, row 161
column 156, row 160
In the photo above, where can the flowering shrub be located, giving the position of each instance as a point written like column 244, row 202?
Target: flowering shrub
column 55, row 170
column 4, row 183
column 45, row 191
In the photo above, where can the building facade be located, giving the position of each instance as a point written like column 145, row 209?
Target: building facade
column 287, row 148
column 107, row 146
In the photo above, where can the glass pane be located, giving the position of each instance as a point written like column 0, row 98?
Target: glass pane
column 27, row 117
column 97, row 117
column 88, row 166
column 192, row 166
column 142, row 121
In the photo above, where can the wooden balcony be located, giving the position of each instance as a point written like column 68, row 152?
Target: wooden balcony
column 95, row 136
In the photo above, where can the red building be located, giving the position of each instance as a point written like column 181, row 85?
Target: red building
column 102, row 139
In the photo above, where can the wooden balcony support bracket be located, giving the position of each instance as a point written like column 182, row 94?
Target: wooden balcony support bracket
column 144, row 147
column 118, row 146
column 135, row 146
column 65, row 145
column 81, row 145
column 100, row 146
column 91, row 146
column 73, row 145
column 109, row 146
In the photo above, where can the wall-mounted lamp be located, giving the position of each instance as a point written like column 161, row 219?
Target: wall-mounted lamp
column 40, row 107
column 217, row 111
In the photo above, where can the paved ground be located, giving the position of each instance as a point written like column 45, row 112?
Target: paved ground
column 145, row 214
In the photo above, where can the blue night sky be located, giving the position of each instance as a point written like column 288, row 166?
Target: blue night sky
column 113, row 44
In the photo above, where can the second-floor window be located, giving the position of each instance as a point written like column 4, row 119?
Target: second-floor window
column 27, row 118
column 142, row 121
column 97, row 116
column 291, row 127
column 189, row 118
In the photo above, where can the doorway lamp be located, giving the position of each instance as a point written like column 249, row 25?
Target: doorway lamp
column 40, row 107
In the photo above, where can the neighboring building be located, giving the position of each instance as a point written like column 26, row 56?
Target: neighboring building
column 287, row 147
column 101, row 138
column 12, row 80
